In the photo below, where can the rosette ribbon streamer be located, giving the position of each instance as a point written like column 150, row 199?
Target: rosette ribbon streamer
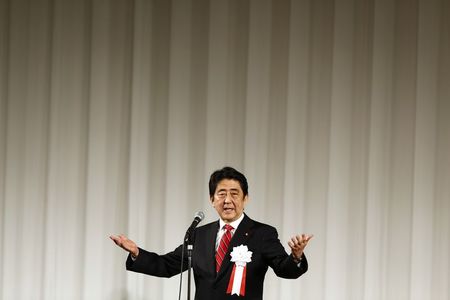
column 240, row 256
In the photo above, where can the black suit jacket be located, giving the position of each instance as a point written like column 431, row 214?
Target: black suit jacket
column 260, row 238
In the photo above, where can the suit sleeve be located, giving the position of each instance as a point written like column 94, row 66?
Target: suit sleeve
column 150, row 263
column 276, row 257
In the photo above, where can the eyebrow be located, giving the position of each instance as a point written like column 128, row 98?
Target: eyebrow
column 231, row 190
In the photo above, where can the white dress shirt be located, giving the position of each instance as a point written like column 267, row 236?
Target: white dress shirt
column 222, row 230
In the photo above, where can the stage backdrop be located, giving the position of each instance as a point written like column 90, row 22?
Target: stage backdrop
column 114, row 113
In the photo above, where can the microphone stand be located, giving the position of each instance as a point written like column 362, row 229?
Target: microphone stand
column 188, row 241
column 190, row 247
column 189, row 254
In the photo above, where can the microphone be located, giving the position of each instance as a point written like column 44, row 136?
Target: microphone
column 199, row 216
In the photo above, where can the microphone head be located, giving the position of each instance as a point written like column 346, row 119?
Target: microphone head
column 199, row 215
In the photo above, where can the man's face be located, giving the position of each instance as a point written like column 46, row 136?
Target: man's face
column 229, row 200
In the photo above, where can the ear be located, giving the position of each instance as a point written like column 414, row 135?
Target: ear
column 246, row 199
column 212, row 200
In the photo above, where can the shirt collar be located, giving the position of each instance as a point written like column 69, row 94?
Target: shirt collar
column 235, row 223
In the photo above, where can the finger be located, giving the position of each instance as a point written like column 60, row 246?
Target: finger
column 296, row 241
column 116, row 240
column 307, row 238
column 301, row 240
column 291, row 240
column 294, row 244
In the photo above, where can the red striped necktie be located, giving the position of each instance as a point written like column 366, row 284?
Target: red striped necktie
column 223, row 246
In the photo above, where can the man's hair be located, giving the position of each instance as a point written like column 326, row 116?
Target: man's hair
column 227, row 173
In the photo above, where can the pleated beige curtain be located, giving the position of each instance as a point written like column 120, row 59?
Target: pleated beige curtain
column 114, row 113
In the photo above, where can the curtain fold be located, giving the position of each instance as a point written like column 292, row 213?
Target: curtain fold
column 113, row 114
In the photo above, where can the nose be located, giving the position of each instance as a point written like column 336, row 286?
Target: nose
column 227, row 199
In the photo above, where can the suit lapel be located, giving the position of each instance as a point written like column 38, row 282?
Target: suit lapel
column 240, row 237
column 211, row 246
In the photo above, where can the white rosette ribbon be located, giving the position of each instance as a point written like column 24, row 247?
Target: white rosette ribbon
column 240, row 256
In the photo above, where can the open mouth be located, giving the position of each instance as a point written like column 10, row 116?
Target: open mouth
column 228, row 209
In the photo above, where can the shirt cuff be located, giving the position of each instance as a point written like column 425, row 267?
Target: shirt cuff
column 297, row 261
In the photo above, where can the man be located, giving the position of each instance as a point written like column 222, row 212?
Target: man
column 228, row 262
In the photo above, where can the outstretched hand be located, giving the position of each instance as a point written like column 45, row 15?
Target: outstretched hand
column 126, row 244
column 298, row 244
